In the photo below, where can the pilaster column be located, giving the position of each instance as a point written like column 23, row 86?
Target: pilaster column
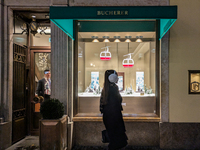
column 165, row 78
column 6, row 73
column 1, row 55
column 59, row 65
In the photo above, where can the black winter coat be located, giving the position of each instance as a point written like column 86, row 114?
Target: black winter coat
column 112, row 118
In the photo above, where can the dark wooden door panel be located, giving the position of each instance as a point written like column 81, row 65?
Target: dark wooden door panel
column 19, row 103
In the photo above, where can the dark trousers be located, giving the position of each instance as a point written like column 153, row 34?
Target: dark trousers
column 46, row 97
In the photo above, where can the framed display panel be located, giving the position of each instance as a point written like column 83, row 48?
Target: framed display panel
column 194, row 82
column 120, row 82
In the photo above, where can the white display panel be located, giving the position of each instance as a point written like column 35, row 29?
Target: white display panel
column 94, row 80
column 139, row 81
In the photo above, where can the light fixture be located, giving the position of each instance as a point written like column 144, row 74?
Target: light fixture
column 127, row 38
column 33, row 25
column 47, row 16
column 33, row 16
column 139, row 38
column 106, row 39
column 105, row 55
column 117, row 39
column 95, row 39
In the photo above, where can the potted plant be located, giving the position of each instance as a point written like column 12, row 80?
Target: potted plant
column 53, row 125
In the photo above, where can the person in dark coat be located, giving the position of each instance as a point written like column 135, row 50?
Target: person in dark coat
column 110, row 106
column 44, row 86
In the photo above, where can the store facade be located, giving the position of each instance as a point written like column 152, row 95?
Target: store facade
column 108, row 38
column 133, row 39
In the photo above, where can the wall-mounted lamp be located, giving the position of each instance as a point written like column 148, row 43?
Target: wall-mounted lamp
column 127, row 38
column 139, row 38
column 95, row 39
column 106, row 39
column 117, row 39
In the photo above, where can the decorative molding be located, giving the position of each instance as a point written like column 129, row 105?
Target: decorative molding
column 19, row 114
column 19, row 57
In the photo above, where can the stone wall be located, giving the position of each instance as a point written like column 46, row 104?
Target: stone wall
column 25, row 3
column 138, row 133
column 5, row 135
column 180, row 136
column 118, row 2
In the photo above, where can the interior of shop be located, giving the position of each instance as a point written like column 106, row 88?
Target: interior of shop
column 131, row 55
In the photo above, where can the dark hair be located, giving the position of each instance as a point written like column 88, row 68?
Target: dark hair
column 46, row 70
column 107, row 83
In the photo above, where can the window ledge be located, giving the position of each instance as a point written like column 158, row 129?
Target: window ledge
column 127, row 117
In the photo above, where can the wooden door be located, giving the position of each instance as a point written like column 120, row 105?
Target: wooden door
column 40, row 61
column 19, row 94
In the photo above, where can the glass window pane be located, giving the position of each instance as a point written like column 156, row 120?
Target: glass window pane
column 133, row 61
column 42, row 62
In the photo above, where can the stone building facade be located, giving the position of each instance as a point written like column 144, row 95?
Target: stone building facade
column 178, row 125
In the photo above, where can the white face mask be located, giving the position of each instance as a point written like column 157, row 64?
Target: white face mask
column 113, row 78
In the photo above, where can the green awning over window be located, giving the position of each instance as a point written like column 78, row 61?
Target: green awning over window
column 64, row 17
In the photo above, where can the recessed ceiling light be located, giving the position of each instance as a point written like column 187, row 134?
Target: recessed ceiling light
column 106, row 39
column 95, row 39
column 127, row 38
column 117, row 39
column 139, row 38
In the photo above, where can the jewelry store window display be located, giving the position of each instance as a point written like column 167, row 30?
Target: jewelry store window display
column 44, row 86
column 110, row 106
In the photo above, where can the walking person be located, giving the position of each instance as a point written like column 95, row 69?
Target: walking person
column 110, row 106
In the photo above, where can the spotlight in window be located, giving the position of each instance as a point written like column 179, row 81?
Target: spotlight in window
column 95, row 39
column 117, row 39
column 139, row 38
column 106, row 39
column 128, row 38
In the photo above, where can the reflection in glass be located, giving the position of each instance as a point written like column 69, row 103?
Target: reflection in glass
column 42, row 62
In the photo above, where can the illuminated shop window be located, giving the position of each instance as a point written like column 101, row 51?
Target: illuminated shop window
column 134, row 60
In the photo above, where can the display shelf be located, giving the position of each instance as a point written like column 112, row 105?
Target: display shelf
column 122, row 94
column 149, row 117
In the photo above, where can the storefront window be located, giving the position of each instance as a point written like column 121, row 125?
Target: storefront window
column 132, row 55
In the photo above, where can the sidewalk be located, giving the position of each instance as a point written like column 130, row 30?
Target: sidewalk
column 32, row 143
column 28, row 143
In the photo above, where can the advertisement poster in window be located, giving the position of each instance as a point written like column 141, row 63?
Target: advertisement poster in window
column 94, row 80
column 139, row 81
